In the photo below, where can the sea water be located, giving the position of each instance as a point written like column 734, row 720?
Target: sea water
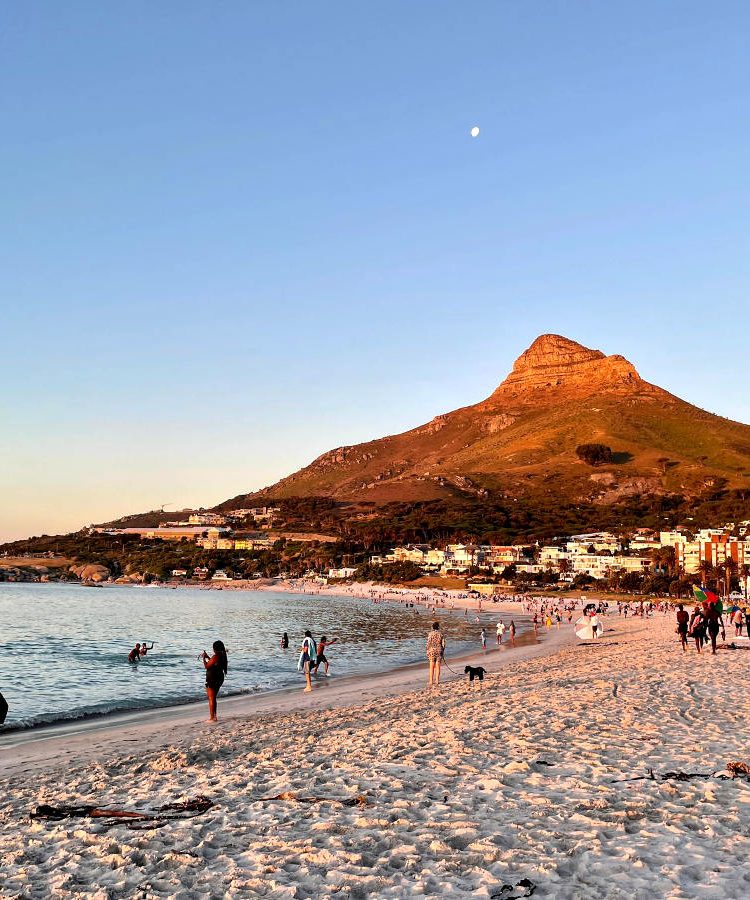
column 65, row 647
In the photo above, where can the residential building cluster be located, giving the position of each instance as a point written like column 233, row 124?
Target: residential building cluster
column 211, row 531
column 595, row 554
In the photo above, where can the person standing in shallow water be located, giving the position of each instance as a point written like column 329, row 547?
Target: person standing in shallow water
column 307, row 659
column 435, row 650
column 216, row 669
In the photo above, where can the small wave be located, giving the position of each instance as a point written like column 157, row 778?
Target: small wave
column 104, row 710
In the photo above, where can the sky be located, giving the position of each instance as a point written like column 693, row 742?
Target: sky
column 236, row 235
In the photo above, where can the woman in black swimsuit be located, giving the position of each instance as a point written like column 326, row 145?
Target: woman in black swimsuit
column 216, row 668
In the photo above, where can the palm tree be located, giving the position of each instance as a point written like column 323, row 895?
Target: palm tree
column 730, row 570
column 707, row 571
column 745, row 574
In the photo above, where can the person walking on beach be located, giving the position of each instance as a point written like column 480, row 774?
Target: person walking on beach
column 682, row 624
column 714, row 622
column 321, row 650
column 307, row 659
column 500, row 630
column 512, row 632
column 216, row 669
column 483, row 637
column 3, row 709
column 697, row 627
column 435, row 650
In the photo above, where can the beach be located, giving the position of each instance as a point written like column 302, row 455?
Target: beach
column 67, row 646
column 543, row 775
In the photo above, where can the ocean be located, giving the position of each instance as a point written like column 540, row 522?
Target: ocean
column 65, row 647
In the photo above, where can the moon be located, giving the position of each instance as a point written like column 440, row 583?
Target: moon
column 474, row 131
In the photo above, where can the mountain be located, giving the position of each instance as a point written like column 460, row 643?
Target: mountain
column 521, row 442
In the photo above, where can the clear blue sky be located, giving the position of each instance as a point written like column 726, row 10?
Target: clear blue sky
column 235, row 235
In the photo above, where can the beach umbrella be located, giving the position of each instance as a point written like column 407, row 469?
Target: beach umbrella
column 703, row 595
column 584, row 631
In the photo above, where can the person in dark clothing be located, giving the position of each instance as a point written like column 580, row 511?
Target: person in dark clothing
column 216, row 669
column 3, row 709
column 697, row 628
column 714, row 622
column 683, row 618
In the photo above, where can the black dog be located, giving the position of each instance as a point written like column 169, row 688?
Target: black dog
column 475, row 672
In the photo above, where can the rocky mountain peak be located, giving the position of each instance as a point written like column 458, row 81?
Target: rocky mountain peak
column 555, row 362
column 554, row 350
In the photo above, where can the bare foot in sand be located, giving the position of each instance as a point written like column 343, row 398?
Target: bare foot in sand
column 307, row 690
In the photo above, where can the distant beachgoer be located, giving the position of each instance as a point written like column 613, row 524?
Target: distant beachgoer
column 322, row 658
column 548, row 621
column 307, row 658
column 683, row 618
column 135, row 654
column 435, row 650
column 3, row 709
column 284, row 641
column 483, row 637
column 512, row 631
column 216, row 669
column 145, row 649
column 500, row 631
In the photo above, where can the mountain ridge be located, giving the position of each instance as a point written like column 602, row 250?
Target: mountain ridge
column 521, row 441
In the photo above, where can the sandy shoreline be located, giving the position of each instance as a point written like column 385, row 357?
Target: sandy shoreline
column 464, row 792
column 25, row 749
column 396, row 598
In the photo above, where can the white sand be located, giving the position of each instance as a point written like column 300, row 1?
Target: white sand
column 458, row 800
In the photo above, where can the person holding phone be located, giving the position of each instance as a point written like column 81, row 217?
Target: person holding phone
column 216, row 669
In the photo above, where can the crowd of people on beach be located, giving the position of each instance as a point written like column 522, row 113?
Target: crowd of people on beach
column 706, row 621
column 703, row 625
